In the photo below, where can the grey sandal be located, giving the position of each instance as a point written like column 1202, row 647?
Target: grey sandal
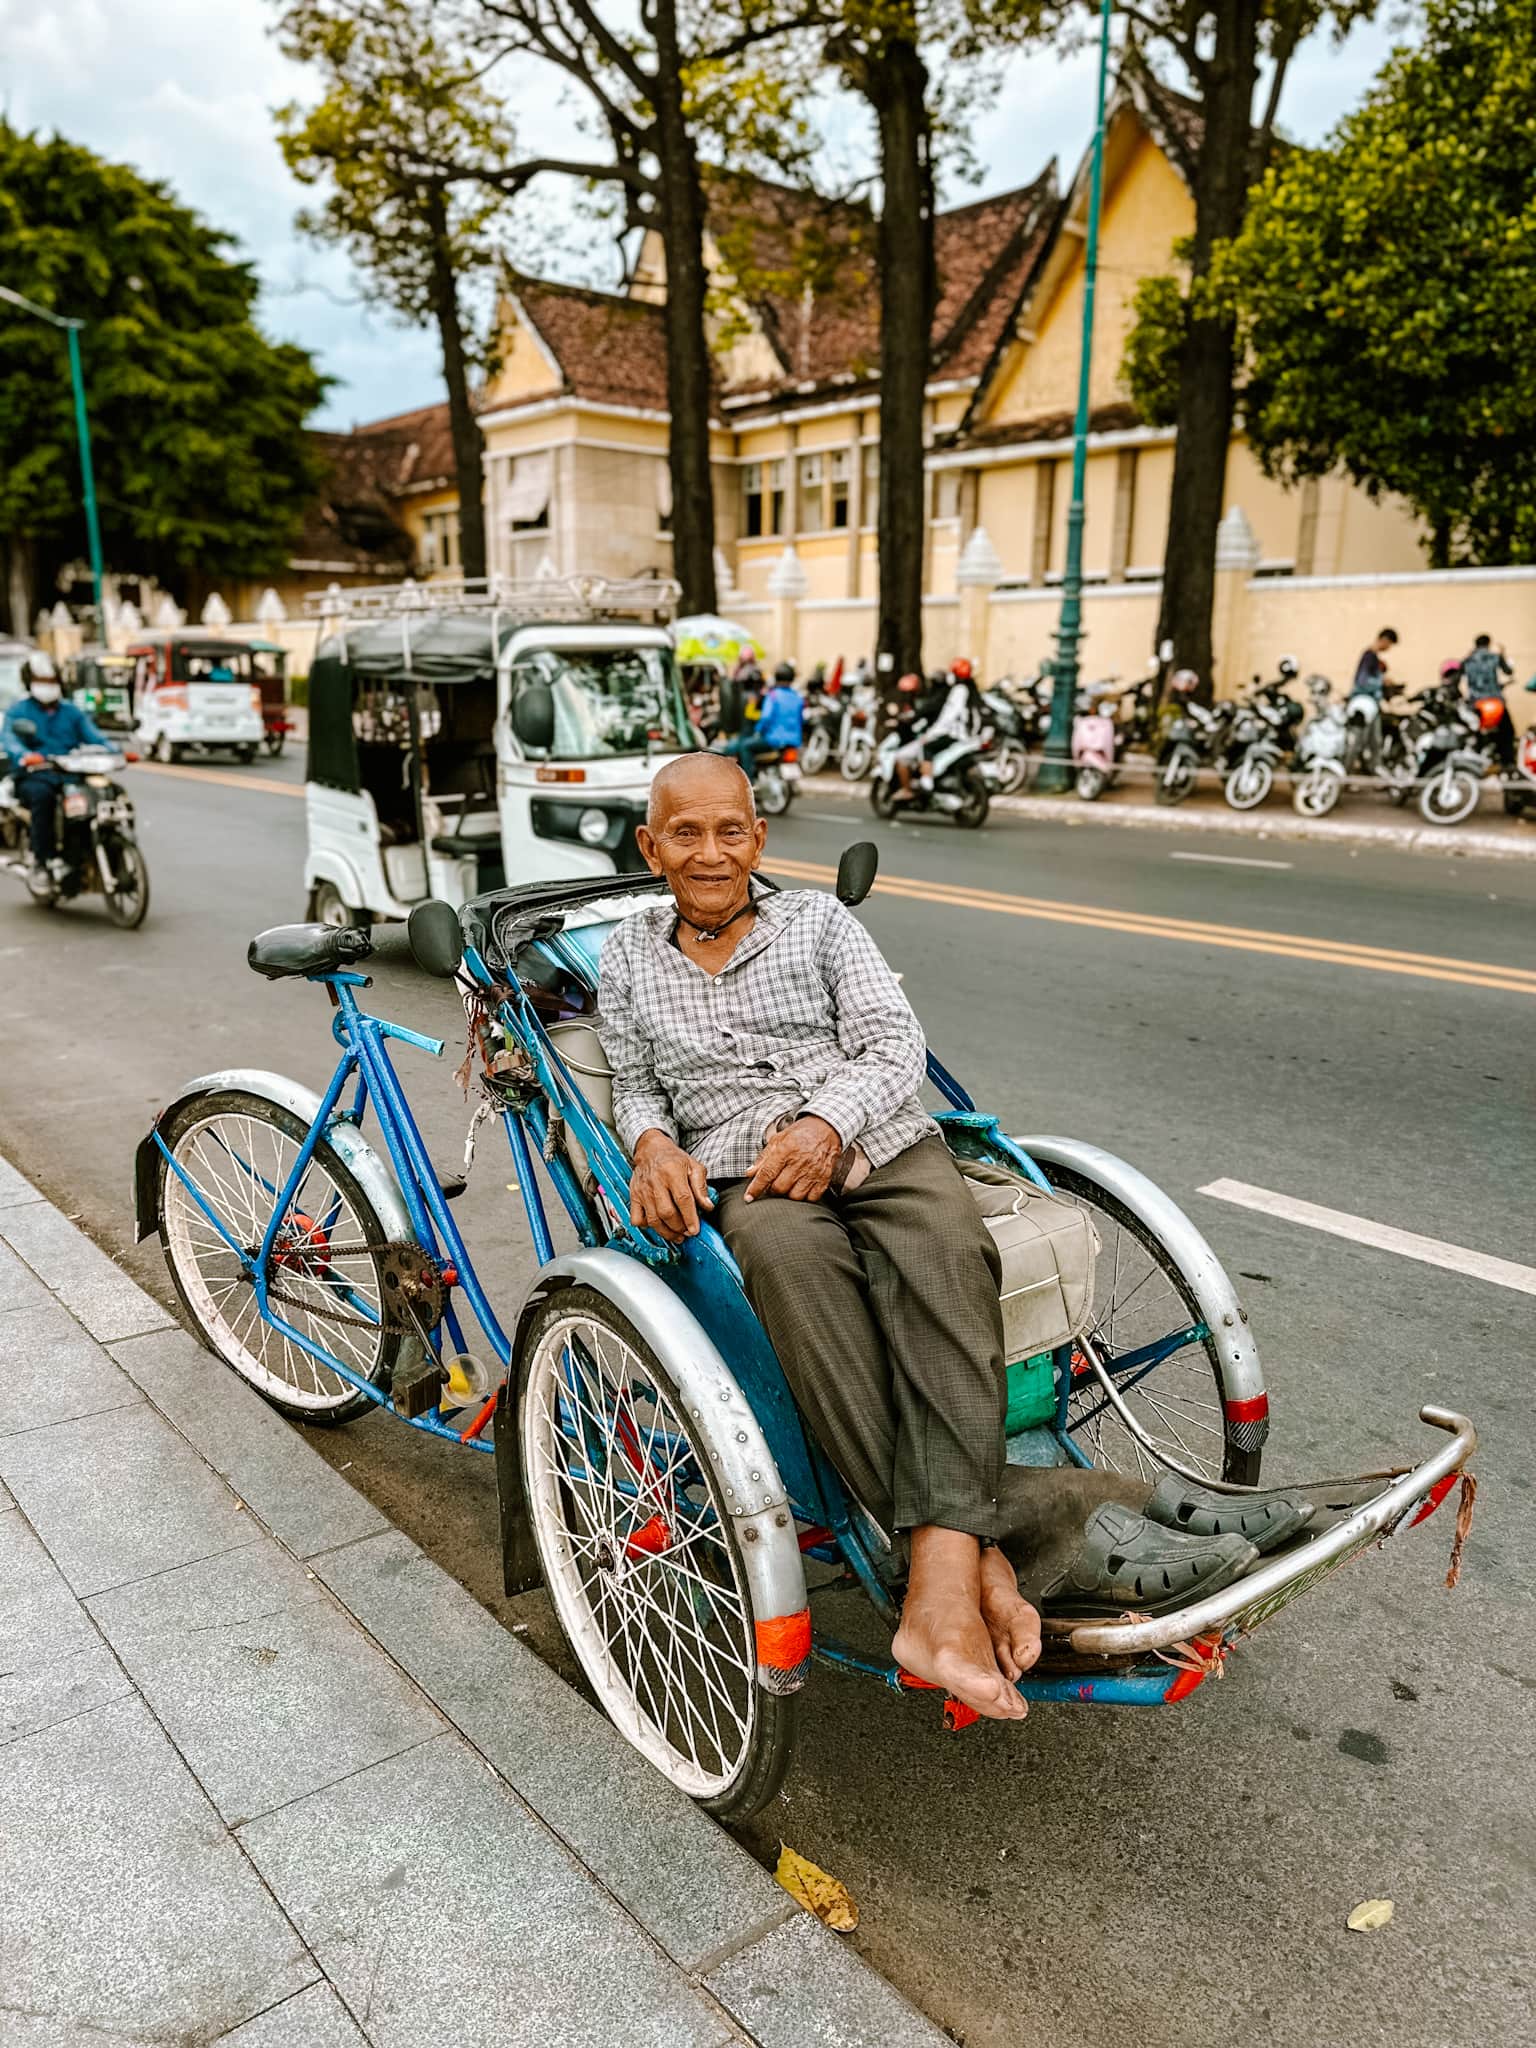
column 1264, row 1520
column 1122, row 1560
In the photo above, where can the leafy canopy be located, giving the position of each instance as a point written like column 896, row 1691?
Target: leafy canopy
column 197, row 420
column 1385, row 289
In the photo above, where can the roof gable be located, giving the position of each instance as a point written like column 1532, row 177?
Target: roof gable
column 605, row 348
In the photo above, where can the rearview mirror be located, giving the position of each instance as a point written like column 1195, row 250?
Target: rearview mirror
column 437, row 945
column 856, row 872
column 733, row 705
column 533, row 718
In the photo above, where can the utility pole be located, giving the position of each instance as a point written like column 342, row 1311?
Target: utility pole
column 83, row 430
column 1056, row 763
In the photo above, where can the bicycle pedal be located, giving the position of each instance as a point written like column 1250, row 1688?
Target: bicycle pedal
column 451, row 1185
column 416, row 1386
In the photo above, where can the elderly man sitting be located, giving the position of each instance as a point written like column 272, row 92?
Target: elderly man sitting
column 759, row 1041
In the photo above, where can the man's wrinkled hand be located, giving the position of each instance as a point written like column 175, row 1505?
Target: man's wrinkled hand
column 667, row 1188
column 797, row 1162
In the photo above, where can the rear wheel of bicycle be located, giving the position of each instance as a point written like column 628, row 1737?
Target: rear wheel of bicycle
column 1140, row 1298
column 128, row 903
column 641, row 1558
column 326, row 1263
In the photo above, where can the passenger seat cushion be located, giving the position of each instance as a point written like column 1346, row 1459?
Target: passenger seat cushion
column 1047, row 1246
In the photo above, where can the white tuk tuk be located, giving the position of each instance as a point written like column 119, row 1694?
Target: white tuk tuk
column 463, row 736
column 195, row 689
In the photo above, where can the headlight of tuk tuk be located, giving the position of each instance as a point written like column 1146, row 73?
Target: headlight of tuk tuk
column 592, row 827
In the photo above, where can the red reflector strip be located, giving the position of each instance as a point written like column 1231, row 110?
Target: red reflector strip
column 1434, row 1497
column 1247, row 1411
column 784, row 1640
column 560, row 775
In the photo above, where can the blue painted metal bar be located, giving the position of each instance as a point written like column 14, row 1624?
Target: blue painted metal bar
column 1147, row 1686
column 300, row 1168
column 947, row 1085
column 199, row 1198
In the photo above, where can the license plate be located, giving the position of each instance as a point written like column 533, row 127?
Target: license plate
column 76, row 804
column 790, row 771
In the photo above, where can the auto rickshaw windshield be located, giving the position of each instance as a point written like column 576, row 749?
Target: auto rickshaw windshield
column 610, row 700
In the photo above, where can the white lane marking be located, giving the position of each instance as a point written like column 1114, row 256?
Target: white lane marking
column 1231, row 860
column 1384, row 1237
column 824, row 817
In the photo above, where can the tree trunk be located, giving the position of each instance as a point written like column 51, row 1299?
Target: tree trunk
column 1206, row 360
column 17, row 550
column 895, row 81
column 468, row 448
column 690, row 386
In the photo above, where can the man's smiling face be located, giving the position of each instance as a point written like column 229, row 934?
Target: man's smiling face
column 703, row 836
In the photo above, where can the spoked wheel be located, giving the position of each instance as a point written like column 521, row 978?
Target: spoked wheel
column 128, row 903
column 325, row 1274
column 641, row 1559
column 1141, row 1301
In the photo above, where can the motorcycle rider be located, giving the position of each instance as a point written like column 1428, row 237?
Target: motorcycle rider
column 949, row 711
column 38, row 726
column 781, row 724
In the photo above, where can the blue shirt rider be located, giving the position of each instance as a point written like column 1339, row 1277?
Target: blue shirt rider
column 37, row 727
column 781, row 725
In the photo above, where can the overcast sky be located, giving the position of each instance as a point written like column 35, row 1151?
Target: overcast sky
column 184, row 90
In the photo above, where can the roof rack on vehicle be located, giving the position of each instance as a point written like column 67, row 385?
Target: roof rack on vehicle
column 577, row 599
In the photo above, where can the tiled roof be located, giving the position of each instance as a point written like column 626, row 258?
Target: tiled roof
column 352, row 523
column 829, row 334
column 1176, row 122
column 611, row 350
column 416, row 448
column 1115, row 418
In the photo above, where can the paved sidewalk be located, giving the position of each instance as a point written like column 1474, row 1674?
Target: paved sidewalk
column 1359, row 821
column 268, row 1776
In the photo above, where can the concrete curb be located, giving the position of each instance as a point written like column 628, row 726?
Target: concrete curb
column 1276, row 821
column 759, row 1968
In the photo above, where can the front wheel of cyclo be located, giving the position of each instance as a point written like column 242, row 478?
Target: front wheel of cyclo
column 641, row 1559
column 325, row 1276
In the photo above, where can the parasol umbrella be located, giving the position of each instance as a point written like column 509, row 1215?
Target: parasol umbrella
column 707, row 637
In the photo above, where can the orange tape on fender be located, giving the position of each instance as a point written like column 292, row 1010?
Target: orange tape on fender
column 784, row 1640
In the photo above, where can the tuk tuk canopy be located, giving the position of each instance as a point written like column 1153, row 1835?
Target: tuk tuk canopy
column 442, row 650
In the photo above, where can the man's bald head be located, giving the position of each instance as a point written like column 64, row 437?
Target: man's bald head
column 695, row 777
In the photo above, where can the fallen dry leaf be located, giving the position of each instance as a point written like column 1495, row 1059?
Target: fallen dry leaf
column 1369, row 1915
column 817, row 1890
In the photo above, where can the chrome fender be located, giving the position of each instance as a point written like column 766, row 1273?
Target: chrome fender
column 719, row 1414
column 373, row 1175
column 1242, row 1376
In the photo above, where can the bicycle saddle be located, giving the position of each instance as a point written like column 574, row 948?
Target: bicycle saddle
column 296, row 949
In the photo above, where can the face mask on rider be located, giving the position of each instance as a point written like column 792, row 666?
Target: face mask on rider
column 46, row 693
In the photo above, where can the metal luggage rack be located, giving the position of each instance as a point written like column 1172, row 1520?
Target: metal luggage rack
column 578, row 599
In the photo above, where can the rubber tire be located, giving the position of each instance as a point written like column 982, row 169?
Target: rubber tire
column 163, row 752
column 274, row 742
column 1263, row 771
column 1174, row 789
column 128, row 850
column 1091, row 782
column 325, row 898
column 1462, row 806
column 246, row 755
column 856, row 760
column 815, row 750
column 779, row 1713
column 1241, row 1467
column 972, row 814
column 774, row 795
column 882, row 798
column 236, row 1102
column 1317, row 779
column 1011, row 769
column 1516, row 803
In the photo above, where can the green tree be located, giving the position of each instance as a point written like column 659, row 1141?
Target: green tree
column 1384, row 290
column 1220, row 47
column 197, row 420
column 400, row 103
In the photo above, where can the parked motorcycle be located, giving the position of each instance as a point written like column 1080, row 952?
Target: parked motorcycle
column 1194, row 736
column 1520, row 788
column 1262, row 738
column 94, row 832
column 1453, row 751
column 823, row 727
column 1005, row 741
column 856, row 734
column 1096, row 741
column 957, row 786
column 1320, row 754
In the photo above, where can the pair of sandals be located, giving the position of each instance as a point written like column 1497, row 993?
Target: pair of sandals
column 1186, row 1542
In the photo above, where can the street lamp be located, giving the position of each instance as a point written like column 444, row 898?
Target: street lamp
column 1056, row 764
column 82, row 427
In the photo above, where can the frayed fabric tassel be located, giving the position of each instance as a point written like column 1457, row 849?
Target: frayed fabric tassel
column 1463, row 1525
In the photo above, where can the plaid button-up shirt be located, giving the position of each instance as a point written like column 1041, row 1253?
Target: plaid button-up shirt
column 804, row 1018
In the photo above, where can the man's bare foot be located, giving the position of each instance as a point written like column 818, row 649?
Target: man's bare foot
column 942, row 1636
column 1011, row 1622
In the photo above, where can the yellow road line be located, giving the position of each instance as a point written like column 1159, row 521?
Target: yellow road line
column 1134, row 924
column 231, row 778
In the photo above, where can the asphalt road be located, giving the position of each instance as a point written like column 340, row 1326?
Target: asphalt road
column 1176, row 1877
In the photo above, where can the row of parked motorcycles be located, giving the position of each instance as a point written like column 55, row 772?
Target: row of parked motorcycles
column 1435, row 744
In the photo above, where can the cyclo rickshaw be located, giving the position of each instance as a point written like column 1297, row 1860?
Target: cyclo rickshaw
column 464, row 732
column 653, row 1468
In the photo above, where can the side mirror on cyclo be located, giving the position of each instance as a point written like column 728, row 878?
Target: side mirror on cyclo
column 856, row 872
column 437, row 944
column 533, row 718
column 733, row 706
